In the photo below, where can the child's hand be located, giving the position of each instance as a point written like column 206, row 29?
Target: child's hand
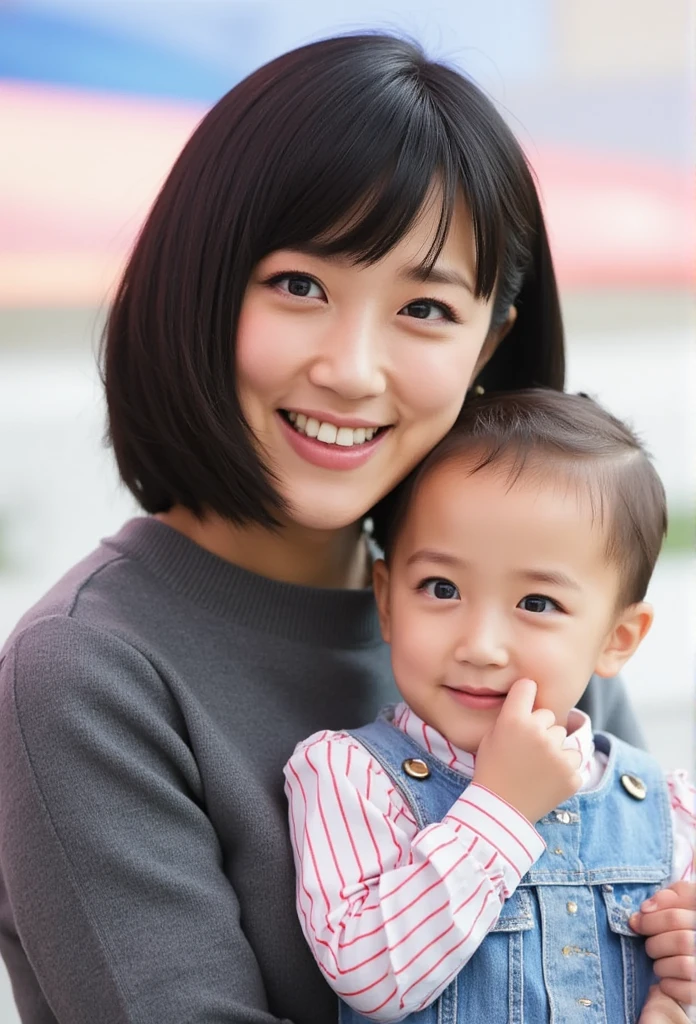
column 522, row 758
column 669, row 921
column 660, row 1009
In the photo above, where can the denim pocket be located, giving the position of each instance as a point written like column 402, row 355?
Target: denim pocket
column 621, row 900
column 517, row 914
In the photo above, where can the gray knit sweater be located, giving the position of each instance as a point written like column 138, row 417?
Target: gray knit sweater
column 147, row 706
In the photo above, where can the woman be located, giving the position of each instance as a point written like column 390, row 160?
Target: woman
column 350, row 241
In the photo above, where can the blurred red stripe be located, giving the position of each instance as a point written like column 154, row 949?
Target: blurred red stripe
column 85, row 167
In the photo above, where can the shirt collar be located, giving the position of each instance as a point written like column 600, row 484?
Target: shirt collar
column 579, row 737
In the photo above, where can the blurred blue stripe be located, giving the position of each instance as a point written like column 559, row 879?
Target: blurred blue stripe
column 41, row 46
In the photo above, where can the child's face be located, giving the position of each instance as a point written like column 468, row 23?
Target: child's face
column 489, row 584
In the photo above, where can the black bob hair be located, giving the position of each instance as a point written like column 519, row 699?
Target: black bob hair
column 362, row 122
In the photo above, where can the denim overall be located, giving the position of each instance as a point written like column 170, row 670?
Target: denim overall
column 562, row 950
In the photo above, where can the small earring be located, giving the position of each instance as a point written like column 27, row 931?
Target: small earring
column 479, row 390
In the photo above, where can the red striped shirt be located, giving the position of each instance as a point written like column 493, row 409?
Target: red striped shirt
column 392, row 913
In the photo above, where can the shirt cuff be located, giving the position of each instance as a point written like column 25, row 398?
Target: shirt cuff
column 498, row 823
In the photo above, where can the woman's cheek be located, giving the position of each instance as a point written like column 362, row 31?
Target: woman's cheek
column 439, row 379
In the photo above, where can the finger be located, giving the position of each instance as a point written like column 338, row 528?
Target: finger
column 557, row 734
column 682, row 991
column 682, row 968
column 686, row 891
column 544, row 718
column 520, row 698
column 573, row 758
column 672, row 920
column 661, row 1009
column 665, row 898
column 666, row 944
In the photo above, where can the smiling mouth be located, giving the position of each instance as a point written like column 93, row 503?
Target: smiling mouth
column 329, row 433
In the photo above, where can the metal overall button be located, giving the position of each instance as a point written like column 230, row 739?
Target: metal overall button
column 634, row 786
column 415, row 768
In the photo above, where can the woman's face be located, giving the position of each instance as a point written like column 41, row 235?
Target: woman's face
column 349, row 374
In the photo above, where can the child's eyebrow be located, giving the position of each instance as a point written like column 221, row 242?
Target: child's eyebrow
column 439, row 557
column 554, row 578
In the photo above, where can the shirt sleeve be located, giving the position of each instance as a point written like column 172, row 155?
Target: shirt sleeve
column 392, row 912
column 112, row 882
column 682, row 797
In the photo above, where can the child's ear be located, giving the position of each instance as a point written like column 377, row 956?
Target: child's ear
column 380, row 584
column 623, row 639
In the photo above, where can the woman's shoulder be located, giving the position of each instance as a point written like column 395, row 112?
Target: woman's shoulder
column 89, row 592
column 78, row 644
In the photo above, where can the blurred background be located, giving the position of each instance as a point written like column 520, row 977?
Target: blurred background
column 98, row 97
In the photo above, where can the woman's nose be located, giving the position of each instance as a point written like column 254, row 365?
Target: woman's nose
column 482, row 642
column 350, row 362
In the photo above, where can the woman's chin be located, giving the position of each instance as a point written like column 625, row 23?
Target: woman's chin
column 322, row 514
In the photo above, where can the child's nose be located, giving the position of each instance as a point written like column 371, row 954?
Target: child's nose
column 482, row 642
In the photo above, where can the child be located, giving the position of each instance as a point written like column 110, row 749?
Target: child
column 476, row 854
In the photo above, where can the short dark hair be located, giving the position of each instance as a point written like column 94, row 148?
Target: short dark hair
column 360, row 122
column 549, row 432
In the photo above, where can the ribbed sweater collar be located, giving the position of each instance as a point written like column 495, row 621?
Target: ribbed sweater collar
column 324, row 617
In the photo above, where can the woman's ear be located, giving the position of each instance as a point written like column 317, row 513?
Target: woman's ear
column 622, row 640
column 493, row 339
column 380, row 584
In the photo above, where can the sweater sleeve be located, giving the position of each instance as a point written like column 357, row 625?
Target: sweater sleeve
column 391, row 913
column 111, row 875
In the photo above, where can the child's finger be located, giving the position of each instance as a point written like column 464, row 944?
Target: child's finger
column 673, row 920
column 520, row 698
column 683, row 991
column 681, row 894
column 681, row 943
column 681, row 968
column 660, row 1009
column 686, row 891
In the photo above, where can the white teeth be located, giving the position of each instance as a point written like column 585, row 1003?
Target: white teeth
column 344, row 437
column 329, row 433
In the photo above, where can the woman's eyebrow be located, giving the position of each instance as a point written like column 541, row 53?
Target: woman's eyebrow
column 435, row 275
column 409, row 272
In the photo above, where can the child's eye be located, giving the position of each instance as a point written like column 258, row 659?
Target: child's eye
column 440, row 589
column 300, row 285
column 539, row 604
column 428, row 309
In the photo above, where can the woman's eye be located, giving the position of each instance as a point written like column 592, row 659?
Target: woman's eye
column 443, row 590
column 426, row 309
column 299, row 285
column 538, row 603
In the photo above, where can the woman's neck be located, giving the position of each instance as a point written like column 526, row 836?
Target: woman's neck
column 292, row 554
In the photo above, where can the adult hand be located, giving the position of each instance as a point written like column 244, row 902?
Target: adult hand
column 668, row 920
column 521, row 758
column 660, row 1009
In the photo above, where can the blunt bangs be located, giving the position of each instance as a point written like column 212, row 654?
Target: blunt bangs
column 381, row 128
column 335, row 147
